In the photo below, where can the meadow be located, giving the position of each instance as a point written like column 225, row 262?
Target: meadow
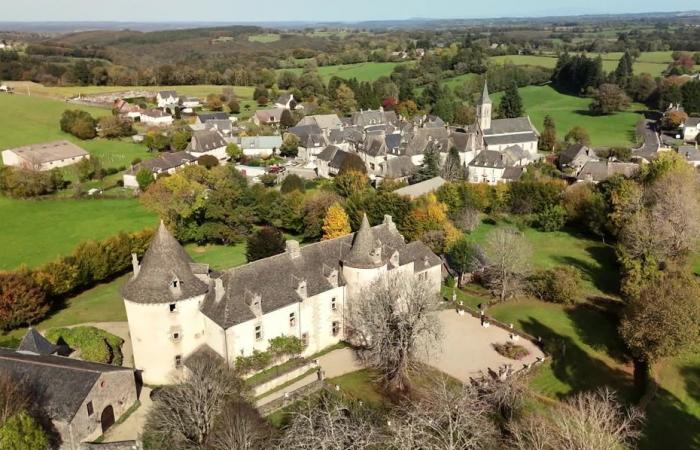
column 33, row 232
column 368, row 71
column 32, row 120
column 568, row 111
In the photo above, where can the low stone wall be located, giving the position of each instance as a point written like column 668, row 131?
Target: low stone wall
column 283, row 401
column 283, row 378
column 123, row 445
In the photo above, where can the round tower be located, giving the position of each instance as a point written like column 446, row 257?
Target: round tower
column 363, row 264
column 162, row 300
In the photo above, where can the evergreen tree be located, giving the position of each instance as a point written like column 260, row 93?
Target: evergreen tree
column 286, row 119
column 267, row 241
column 336, row 223
column 548, row 139
column 511, row 104
column 453, row 170
column 624, row 71
column 431, row 164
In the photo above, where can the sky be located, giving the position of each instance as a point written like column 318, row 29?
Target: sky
column 312, row 10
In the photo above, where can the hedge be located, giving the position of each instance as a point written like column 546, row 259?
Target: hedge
column 93, row 343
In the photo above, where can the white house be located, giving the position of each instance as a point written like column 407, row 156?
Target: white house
column 167, row 99
column 691, row 128
column 177, row 308
column 286, row 101
column 493, row 167
column 154, row 117
column 268, row 116
column 47, row 156
column 165, row 163
column 261, row 146
column 208, row 142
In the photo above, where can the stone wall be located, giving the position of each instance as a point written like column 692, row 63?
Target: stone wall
column 283, row 378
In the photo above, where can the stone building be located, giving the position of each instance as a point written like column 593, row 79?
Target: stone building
column 177, row 308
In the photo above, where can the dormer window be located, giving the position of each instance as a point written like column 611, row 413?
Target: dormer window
column 175, row 284
column 172, row 307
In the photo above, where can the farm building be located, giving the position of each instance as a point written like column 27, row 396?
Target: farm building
column 47, row 156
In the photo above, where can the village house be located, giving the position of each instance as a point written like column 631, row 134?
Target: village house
column 267, row 116
column 82, row 399
column 597, row 171
column 177, row 308
column 167, row 99
column 203, row 118
column 499, row 134
column 126, row 109
column 330, row 160
column 326, row 122
column 286, row 101
column 47, row 156
column 312, row 141
column 691, row 129
column 259, row 146
column 208, row 142
column 165, row 163
column 493, row 167
column 575, row 156
column 155, row 117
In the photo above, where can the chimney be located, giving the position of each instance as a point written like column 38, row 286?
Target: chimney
column 301, row 288
column 135, row 264
column 389, row 222
column 293, row 249
column 218, row 290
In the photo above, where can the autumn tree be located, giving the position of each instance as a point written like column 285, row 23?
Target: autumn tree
column 578, row 135
column 609, row 98
column 507, row 254
column 267, row 241
column 673, row 120
column 391, row 321
column 352, row 163
column 144, row 178
column 350, row 182
column 22, row 300
column 234, row 151
column 429, row 222
column 548, row 139
column 214, row 102
column 314, row 210
column 345, row 99
column 239, row 426
column 22, row 432
column 290, row 145
column 113, row 127
column 336, row 223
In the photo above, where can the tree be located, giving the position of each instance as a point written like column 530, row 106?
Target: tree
column 286, row 119
column 22, row 432
column 625, row 69
column 112, row 127
column 465, row 256
column 673, row 120
column 350, row 182
column 156, row 141
column 663, row 321
column 290, row 146
column 89, row 169
column 552, row 218
column 352, row 163
column 548, row 139
column 234, row 151
column 22, row 300
column 144, row 177
column 291, row 183
column 314, row 212
column 589, row 420
column 431, row 164
column 214, row 102
column 577, row 135
column 267, row 241
column 234, row 106
column 446, row 417
column 184, row 414
column 287, row 79
column 511, row 105
column 391, row 321
column 609, row 98
column 559, row 284
column 259, row 93
column 180, row 139
column 336, row 223
column 78, row 123
column 507, row 253
column 691, row 96
column 453, row 170
column 345, row 99
column 240, row 427
column 208, row 161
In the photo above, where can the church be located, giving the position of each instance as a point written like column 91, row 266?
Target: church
column 177, row 308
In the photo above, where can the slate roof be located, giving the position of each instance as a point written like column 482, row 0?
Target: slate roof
column 309, row 135
column 570, row 153
column 338, row 159
column 165, row 94
column 692, row 122
column 602, row 170
column 34, row 342
column 275, row 279
column 164, row 261
column 484, row 99
column 492, row 159
column 260, row 142
column 424, row 187
column 165, row 161
column 62, row 383
column 513, row 173
column 204, row 141
column 328, row 153
column 399, row 167
column 363, row 254
column 323, row 121
column 506, row 139
column 49, row 151
column 423, row 136
column 205, row 117
column 393, row 141
column 507, row 126
column 375, row 146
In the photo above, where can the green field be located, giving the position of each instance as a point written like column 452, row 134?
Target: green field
column 653, row 63
column 569, row 111
column 33, row 232
column 369, row 71
column 264, row 38
column 32, row 120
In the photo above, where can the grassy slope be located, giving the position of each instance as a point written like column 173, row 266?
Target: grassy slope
column 369, row 71
column 569, row 111
column 33, row 232
column 32, row 120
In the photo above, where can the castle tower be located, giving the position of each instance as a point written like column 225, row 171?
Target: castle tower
column 484, row 109
column 162, row 300
column 363, row 264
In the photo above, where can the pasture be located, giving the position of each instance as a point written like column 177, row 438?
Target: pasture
column 368, row 71
column 568, row 111
column 33, row 120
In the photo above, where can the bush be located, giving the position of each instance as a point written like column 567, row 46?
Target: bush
column 511, row 351
column 22, row 300
column 267, row 241
column 208, row 161
column 292, row 183
column 559, row 285
column 78, row 123
column 552, row 218
column 112, row 127
column 22, row 432
column 92, row 343
column 22, row 183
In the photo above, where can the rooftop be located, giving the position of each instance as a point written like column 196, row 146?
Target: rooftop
column 49, row 152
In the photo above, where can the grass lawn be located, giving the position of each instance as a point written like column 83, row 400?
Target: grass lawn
column 33, row 232
column 64, row 92
column 369, row 71
column 569, row 111
column 458, row 81
column 264, row 38
column 32, row 120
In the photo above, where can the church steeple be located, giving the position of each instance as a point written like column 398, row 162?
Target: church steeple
column 484, row 108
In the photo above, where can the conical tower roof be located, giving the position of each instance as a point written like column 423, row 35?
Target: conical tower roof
column 34, row 342
column 362, row 255
column 164, row 263
column 485, row 99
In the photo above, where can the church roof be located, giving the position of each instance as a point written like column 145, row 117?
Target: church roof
column 34, row 342
column 165, row 261
column 484, row 99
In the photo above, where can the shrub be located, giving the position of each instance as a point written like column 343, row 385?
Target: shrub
column 286, row 346
column 22, row 300
column 22, row 432
column 267, row 241
column 510, row 350
column 78, row 123
column 292, row 183
column 92, row 343
column 208, row 161
column 112, row 127
column 552, row 218
column 144, row 177
column 559, row 285
column 23, row 183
